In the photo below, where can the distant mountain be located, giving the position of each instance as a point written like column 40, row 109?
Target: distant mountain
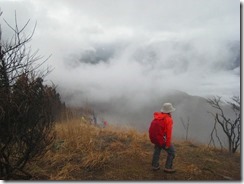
column 121, row 111
column 172, row 54
column 234, row 47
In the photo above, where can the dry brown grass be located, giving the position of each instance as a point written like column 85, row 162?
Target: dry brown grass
column 85, row 152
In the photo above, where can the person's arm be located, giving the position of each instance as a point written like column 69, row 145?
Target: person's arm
column 168, row 132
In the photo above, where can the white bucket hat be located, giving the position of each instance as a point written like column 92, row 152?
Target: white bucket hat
column 167, row 108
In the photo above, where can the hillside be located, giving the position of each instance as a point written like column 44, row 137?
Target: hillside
column 85, row 152
column 195, row 108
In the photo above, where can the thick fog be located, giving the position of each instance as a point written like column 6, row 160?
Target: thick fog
column 126, row 57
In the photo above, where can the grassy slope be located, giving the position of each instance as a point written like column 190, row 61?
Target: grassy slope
column 85, row 152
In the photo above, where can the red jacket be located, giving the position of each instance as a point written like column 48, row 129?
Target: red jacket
column 160, row 130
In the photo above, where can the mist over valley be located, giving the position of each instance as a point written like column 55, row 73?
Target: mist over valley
column 126, row 58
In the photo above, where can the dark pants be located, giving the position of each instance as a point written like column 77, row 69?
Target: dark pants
column 171, row 155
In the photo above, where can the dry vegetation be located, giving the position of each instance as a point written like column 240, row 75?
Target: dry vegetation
column 85, row 152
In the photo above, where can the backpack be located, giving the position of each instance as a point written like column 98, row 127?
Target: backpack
column 156, row 131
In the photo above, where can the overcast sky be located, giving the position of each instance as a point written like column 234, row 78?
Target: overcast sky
column 106, row 49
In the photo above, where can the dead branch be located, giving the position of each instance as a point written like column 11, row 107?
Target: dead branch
column 231, row 127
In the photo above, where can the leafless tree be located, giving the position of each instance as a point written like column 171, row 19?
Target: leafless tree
column 214, row 133
column 186, row 126
column 230, row 126
column 16, row 57
column 26, row 105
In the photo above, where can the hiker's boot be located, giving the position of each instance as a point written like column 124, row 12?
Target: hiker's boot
column 155, row 168
column 169, row 170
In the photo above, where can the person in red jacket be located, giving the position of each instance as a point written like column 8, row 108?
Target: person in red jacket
column 160, row 134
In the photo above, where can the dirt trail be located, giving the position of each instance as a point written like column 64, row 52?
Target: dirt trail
column 191, row 163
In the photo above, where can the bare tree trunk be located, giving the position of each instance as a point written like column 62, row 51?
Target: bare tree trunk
column 186, row 126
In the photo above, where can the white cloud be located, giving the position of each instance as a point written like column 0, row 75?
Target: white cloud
column 183, row 45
